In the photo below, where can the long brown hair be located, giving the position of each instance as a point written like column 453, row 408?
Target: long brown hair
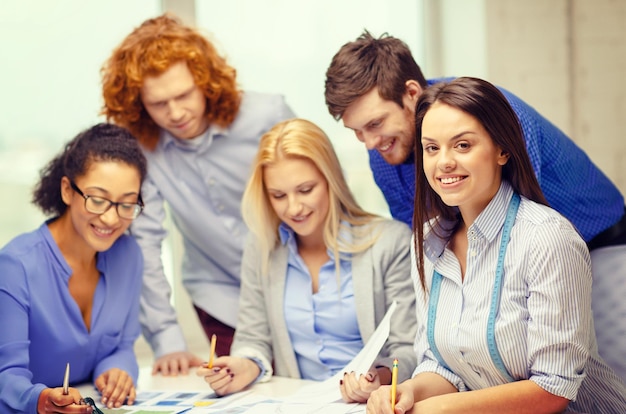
column 484, row 102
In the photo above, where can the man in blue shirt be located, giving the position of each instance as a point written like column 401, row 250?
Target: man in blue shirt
column 372, row 85
column 168, row 85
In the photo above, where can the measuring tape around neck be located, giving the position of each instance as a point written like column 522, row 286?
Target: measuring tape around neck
column 495, row 297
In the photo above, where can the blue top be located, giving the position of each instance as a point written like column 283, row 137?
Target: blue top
column 322, row 326
column 570, row 181
column 543, row 327
column 202, row 180
column 379, row 277
column 43, row 328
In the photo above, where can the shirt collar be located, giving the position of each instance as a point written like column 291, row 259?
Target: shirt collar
column 285, row 233
column 199, row 143
column 490, row 221
column 487, row 224
column 288, row 237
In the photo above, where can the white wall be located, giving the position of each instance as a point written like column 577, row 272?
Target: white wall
column 285, row 46
column 51, row 56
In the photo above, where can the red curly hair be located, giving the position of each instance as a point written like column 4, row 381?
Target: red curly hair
column 150, row 50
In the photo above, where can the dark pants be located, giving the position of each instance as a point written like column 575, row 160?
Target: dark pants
column 223, row 332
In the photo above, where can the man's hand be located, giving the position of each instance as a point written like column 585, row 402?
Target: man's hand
column 175, row 363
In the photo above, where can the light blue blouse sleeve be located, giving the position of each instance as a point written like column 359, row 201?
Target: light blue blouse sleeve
column 559, row 305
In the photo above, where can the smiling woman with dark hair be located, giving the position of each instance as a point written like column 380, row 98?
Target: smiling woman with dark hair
column 503, row 281
column 69, row 291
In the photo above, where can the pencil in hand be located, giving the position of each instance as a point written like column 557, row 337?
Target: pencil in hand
column 66, row 380
column 394, row 383
column 212, row 356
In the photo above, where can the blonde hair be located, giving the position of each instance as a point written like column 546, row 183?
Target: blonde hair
column 302, row 139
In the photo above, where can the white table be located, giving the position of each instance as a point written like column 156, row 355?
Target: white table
column 277, row 387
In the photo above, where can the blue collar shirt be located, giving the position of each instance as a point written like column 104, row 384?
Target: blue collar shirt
column 202, row 181
column 571, row 183
column 43, row 328
column 322, row 326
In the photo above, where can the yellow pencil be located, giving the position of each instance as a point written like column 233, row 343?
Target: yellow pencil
column 394, row 383
column 213, row 342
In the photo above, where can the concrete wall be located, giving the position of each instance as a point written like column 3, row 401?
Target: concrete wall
column 567, row 58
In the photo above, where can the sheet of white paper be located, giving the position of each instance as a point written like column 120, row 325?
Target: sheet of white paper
column 328, row 391
column 295, row 408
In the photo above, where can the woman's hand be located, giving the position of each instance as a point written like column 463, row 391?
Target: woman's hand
column 52, row 400
column 175, row 363
column 380, row 400
column 358, row 390
column 229, row 374
column 116, row 387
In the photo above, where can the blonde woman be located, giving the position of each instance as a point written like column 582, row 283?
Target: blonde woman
column 318, row 273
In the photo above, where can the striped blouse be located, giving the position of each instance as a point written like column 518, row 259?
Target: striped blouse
column 544, row 328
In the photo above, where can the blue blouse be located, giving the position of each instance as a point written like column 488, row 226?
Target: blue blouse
column 322, row 326
column 43, row 328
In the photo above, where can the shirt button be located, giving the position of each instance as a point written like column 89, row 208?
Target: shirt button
column 473, row 253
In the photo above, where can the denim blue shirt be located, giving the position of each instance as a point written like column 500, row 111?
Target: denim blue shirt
column 202, row 181
column 570, row 181
column 322, row 326
column 42, row 328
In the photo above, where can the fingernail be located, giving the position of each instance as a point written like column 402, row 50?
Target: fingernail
column 232, row 375
column 340, row 382
column 216, row 369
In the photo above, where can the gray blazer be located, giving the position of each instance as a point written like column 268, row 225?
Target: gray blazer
column 381, row 274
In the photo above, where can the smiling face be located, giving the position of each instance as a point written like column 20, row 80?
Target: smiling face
column 175, row 103
column 461, row 162
column 115, row 181
column 298, row 193
column 384, row 125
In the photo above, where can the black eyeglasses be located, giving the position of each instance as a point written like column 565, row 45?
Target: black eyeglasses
column 90, row 401
column 100, row 205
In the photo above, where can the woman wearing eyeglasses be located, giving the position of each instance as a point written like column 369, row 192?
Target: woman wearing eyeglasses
column 69, row 291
